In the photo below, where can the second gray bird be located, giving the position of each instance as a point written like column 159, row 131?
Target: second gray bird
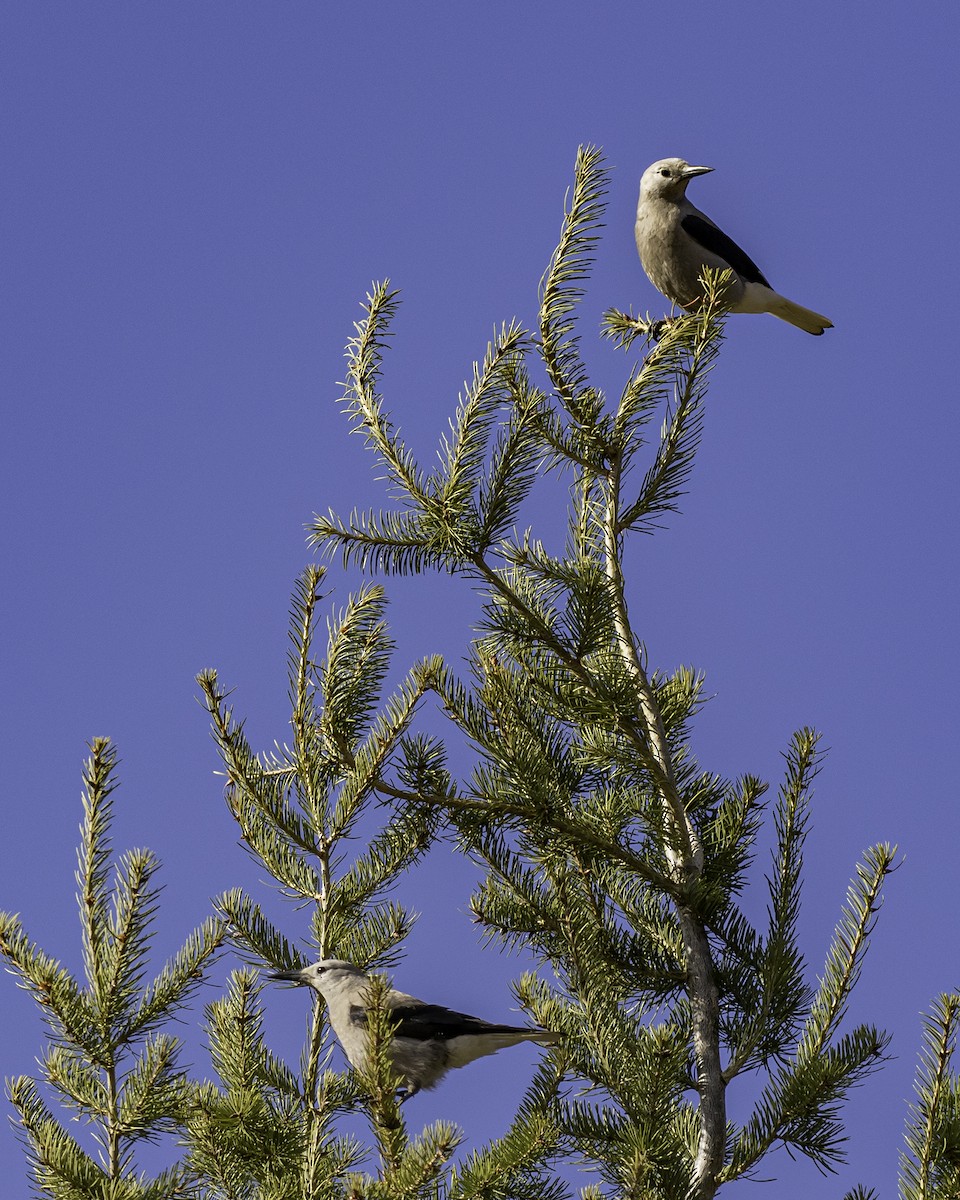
column 677, row 241
column 428, row 1039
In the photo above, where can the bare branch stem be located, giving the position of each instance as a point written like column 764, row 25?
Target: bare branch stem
column 685, row 855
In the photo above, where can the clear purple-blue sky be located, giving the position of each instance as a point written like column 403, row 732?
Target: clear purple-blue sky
column 195, row 198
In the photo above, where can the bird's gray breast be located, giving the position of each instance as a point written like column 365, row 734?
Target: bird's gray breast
column 673, row 261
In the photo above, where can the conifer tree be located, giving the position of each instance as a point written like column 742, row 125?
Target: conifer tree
column 109, row 1059
column 298, row 810
column 608, row 853
column 930, row 1165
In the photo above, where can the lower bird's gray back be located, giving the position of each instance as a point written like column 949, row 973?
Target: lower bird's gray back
column 427, row 1039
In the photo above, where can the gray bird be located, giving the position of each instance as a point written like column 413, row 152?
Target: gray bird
column 677, row 241
column 428, row 1040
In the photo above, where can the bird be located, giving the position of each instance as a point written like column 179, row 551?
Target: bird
column 676, row 242
column 428, row 1039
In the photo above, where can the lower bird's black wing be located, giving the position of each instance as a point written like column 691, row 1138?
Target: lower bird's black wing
column 716, row 241
column 432, row 1022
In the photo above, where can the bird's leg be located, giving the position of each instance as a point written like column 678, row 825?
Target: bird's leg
column 656, row 329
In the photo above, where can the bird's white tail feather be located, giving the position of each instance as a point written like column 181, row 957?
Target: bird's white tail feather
column 796, row 314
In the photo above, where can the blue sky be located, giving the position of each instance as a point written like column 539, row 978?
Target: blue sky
column 194, row 200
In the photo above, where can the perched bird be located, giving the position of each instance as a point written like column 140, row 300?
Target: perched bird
column 428, row 1039
column 676, row 242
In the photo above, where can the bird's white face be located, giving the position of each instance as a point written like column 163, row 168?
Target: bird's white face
column 668, row 178
column 326, row 976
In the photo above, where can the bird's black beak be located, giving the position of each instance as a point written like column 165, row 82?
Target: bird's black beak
column 690, row 172
column 292, row 976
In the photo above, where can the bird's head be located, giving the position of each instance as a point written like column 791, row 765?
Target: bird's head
column 668, row 178
column 327, row 976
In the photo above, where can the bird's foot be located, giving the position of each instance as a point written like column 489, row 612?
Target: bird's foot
column 624, row 328
column 656, row 329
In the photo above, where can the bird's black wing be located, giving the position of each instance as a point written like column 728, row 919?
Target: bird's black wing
column 716, row 241
column 432, row 1022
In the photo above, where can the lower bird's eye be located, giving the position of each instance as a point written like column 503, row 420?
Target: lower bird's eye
column 665, row 172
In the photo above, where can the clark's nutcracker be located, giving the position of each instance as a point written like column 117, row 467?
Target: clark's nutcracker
column 677, row 241
column 428, row 1039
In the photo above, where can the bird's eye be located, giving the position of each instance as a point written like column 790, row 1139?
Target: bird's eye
column 665, row 172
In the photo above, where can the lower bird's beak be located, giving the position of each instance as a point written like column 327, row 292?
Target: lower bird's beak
column 690, row 172
column 293, row 976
